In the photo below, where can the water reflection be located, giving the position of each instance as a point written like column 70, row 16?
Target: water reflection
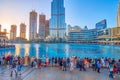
column 37, row 53
column 63, row 50
column 27, row 48
column 7, row 52
column 22, row 52
column 67, row 50
column 32, row 51
column 17, row 51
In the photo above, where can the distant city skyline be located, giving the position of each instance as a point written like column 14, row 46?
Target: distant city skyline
column 78, row 12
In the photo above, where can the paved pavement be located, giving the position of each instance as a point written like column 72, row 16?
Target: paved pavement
column 54, row 73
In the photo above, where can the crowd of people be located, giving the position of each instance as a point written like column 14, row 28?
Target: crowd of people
column 15, row 63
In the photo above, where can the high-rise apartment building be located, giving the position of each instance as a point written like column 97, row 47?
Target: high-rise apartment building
column 57, row 21
column 5, row 30
column 0, row 27
column 33, row 26
column 42, row 20
column 23, row 31
column 118, row 16
column 46, row 28
column 13, row 32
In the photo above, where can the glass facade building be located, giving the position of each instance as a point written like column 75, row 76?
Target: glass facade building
column 101, row 25
column 76, row 34
column 79, row 36
column 93, row 34
column 57, row 21
column 104, row 32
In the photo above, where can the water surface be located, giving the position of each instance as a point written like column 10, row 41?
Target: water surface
column 64, row 50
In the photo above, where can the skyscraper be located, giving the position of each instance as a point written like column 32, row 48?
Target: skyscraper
column 33, row 25
column 41, row 31
column 23, row 31
column 101, row 25
column 57, row 21
column 13, row 32
column 0, row 27
column 46, row 28
column 5, row 30
column 118, row 16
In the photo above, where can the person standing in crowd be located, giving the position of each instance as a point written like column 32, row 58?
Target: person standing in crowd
column 0, row 60
column 96, row 60
column 114, row 70
column 77, row 62
column 118, row 66
column 32, row 63
column 16, row 58
column 84, row 64
column 14, row 69
column 35, row 63
column 47, row 61
column 81, row 64
column 22, row 61
column 71, row 64
column 39, row 63
column 19, row 66
column 4, row 60
column 64, row 64
column 68, row 61
column 8, row 59
column 106, row 62
column 111, row 70
column 93, row 64
column 61, row 63
column 11, row 59
column 98, row 66
column 52, row 61
column 102, row 62
column 43, row 61
column 56, row 61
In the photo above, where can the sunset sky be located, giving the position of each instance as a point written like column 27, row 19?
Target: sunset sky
column 78, row 12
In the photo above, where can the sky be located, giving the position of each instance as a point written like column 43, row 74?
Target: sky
column 78, row 12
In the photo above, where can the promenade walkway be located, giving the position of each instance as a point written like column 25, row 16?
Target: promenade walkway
column 54, row 73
